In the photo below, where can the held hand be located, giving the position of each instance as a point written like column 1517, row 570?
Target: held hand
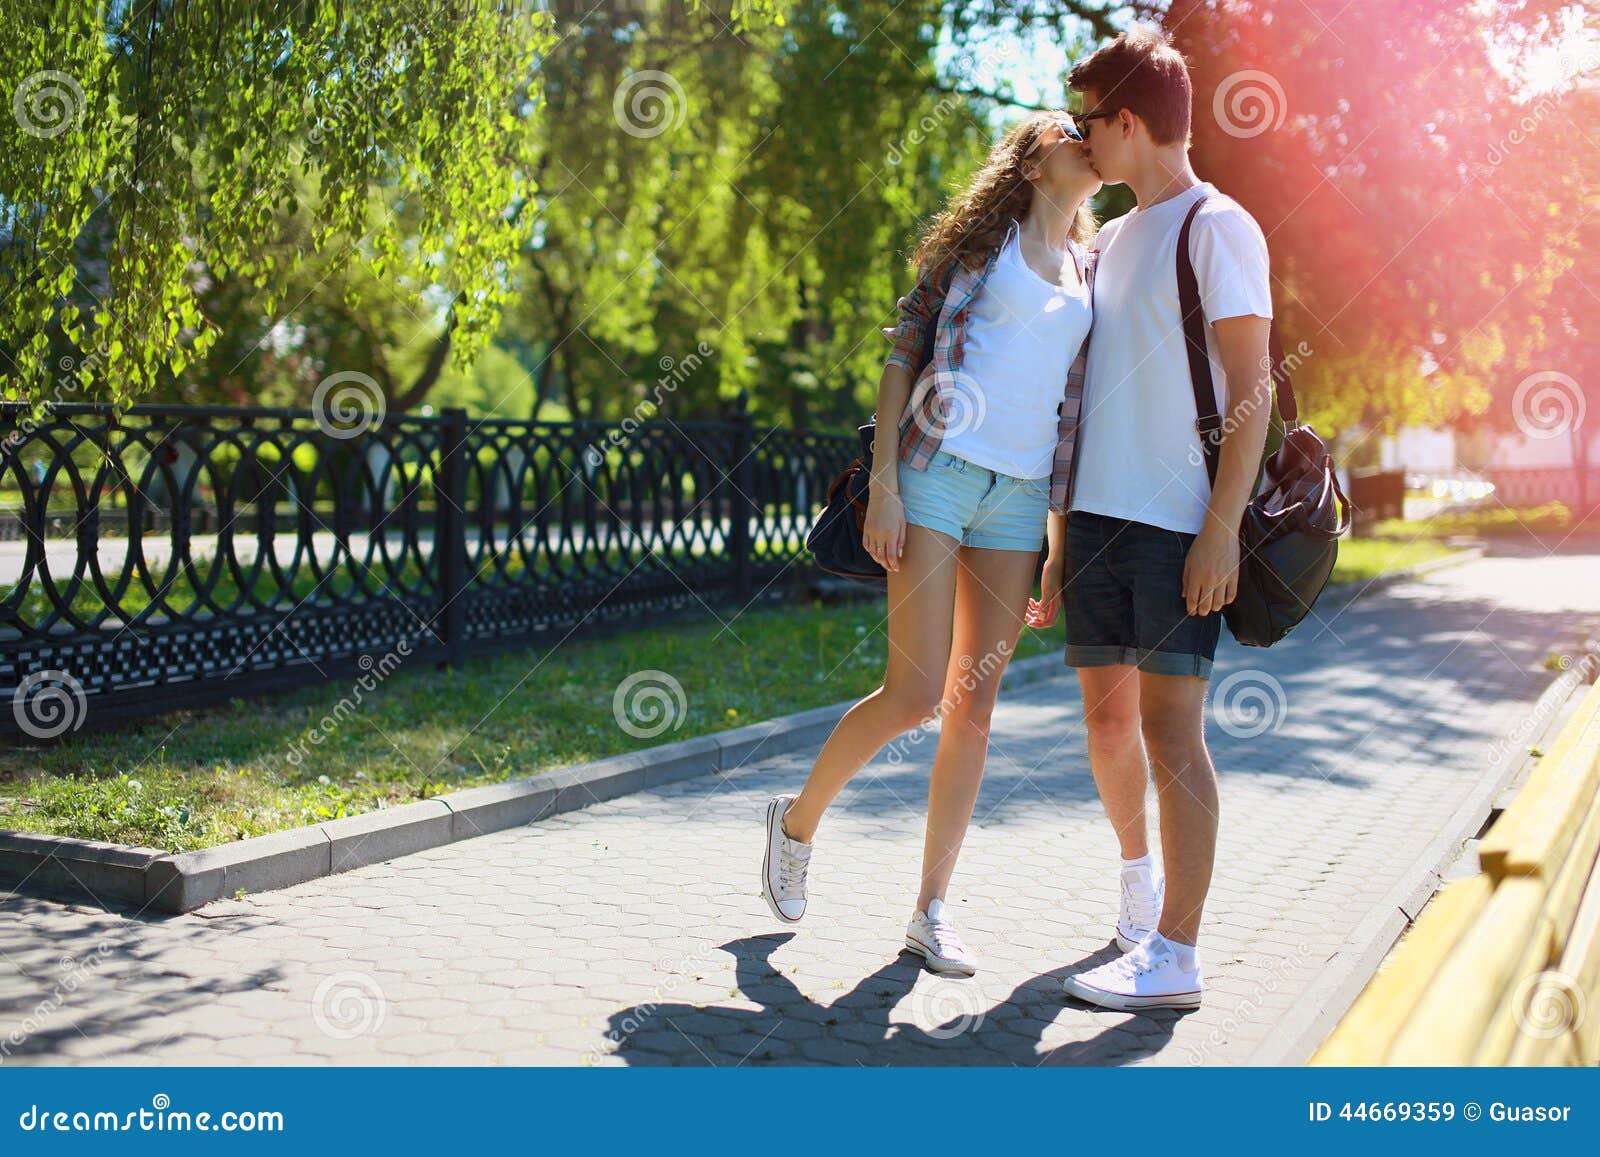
column 884, row 532
column 1211, row 570
column 1042, row 610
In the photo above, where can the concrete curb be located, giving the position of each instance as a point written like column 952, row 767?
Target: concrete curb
column 76, row 869
column 1296, row 1036
column 152, row 880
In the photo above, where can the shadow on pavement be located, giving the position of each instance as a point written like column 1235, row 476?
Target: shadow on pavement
column 794, row 1028
column 45, row 964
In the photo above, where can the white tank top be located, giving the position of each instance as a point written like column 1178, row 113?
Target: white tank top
column 1022, row 334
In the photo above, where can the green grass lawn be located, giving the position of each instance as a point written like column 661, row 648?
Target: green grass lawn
column 1551, row 518
column 193, row 779
column 1364, row 559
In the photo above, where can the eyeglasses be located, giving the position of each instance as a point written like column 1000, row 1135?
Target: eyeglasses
column 1085, row 117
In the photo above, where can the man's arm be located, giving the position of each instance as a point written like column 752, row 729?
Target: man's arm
column 1211, row 571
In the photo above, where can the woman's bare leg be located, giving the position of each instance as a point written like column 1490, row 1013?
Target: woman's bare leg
column 921, row 607
column 991, row 602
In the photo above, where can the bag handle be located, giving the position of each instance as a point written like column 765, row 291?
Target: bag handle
column 1207, row 420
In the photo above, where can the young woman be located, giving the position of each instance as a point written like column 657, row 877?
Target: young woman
column 985, row 353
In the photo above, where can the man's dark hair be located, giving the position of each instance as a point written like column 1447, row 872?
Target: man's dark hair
column 1141, row 72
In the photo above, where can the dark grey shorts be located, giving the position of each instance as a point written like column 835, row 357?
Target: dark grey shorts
column 1123, row 598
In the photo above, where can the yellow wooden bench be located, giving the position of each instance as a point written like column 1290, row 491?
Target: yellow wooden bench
column 1502, row 967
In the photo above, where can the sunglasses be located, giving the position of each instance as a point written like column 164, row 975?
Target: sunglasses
column 1085, row 117
column 1068, row 131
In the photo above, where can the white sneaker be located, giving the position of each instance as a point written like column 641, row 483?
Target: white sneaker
column 783, row 868
column 1148, row 977
column 936, row 940
column 1142, row 897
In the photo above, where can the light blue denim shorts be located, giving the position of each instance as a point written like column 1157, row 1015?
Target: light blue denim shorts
column 974, row 505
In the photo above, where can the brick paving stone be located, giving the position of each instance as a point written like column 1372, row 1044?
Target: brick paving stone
column 633, row 932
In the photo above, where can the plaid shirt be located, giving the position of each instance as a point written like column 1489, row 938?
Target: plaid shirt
column 928, row 342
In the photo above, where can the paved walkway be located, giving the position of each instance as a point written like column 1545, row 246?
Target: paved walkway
column 633, row 933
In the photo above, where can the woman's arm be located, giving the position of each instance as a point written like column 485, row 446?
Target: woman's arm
column 1055, row 532
column 883, row 534
column 1042, row 610
column 919, row 315
column 894, row 389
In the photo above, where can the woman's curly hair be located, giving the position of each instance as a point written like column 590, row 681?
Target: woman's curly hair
column 976, row 219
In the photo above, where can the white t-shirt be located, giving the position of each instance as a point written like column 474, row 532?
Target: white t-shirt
column 1141, row 454
column 1022, row 333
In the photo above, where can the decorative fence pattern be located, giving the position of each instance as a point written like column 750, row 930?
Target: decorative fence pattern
column 177, row 555
column 1535, row 485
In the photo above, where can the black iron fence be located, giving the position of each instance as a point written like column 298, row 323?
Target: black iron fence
column 177, row 555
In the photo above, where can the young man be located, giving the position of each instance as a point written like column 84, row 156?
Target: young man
column 1149, row 554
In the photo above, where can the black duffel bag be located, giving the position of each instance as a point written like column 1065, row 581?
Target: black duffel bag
column 835, row 538
column 1288, row 540
column 1289, row 535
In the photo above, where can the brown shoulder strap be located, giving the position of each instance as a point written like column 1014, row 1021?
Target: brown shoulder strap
column 1207, row 420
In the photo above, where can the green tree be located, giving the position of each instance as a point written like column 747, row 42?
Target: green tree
column 159, row 142
column 755, row 188
column 1421, row 202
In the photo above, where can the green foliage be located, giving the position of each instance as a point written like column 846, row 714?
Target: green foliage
column 157, row 148
column 683, row 199
column 755, row 190
column 1428, row 213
